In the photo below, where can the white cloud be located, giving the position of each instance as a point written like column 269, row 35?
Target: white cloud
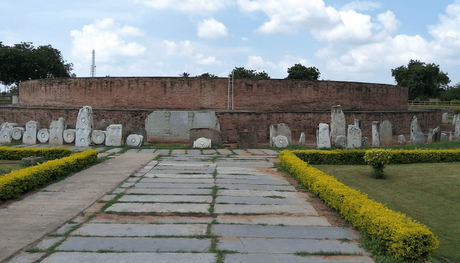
column 210, row 28
column 244, row 39
column 105, row 38
column 189, row 6
column 360, row 6
column 259, row 64
column 447, row 32
column 186, row 49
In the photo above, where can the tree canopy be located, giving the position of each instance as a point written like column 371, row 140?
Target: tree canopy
column 451, row 93
column 206, row 75
column 299, row 71
column 242, row 73
column 423, row 80
column 23, row 62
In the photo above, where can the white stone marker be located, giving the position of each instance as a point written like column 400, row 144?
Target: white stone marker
column 386, row 133
column 338, row 124
column 354, row 137
column 358, row 123
column 443, row 137
column 30, row 135
column 69, row 135
column 366, row 142
column 457, row 128
column 84, row 126
column 98, row 137
column 6, row 132
column 280, row 129
column 56, row 131
column 375, row 134
column 445, row 117
column 17, row 133
column 43, row 135
column 14, row 100
column 323, row 139
column 135, row 140
column 430, row 136
column 201, row 143
column 280, row 141
column 416, row 135
column 113, row 135
column 341, row 141
column 401, row 139
column 302, row 139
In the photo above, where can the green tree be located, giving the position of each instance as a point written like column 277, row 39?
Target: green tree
column 423, row 80
column 299, row 71
column 23, row 62
column 451, row 93
column 184, row 75
column 206, row 75
column 242, row 73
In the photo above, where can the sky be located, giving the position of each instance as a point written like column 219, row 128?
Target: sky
column 346, row 40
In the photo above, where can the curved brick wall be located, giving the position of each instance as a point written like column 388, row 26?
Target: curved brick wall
column 212, row 93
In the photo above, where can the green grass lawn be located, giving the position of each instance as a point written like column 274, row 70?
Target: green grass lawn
column 428, row 193
column 7, row 166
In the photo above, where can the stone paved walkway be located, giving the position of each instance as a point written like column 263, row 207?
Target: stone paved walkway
column 201, row 206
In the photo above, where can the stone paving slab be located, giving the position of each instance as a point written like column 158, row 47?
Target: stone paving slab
column 166, row 198
column 241, row 152
column 169, row 191
column 254, row 187
column 65, row 228
column 100, row 149
column 115, row 150
column 256, row 151
column 299, row 232
column 261, row 193
column 283, row 246
column 306, row 209
column 135, row 244
column 267, row 180
column 27, row 257
column 159, row 208
column 197, row 164
column 177, row 180
column 209, row 151
column 276, row 258
column 179, row 176
column 140, row 230
column 79, row 257
column 182, row 171
column 147, row 151
column 48, row 242
column 250, row 177
column 194, row 152
column 256, row 200
column 224, row 151
column 173, row 185
column 299, row 220
column 146, row 219
column 178, row 151
column 132, row 151
column 270, row 152
column 163, row 151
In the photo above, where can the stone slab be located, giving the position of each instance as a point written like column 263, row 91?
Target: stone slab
column 224, row 151
column 257, row 200
column 256, row 187
column 270, row 152
column 173, row 185
column 78, row 257
column 273, row 220
column 166, row 198
column 140, row 230
column 169, row 191
column 241, row 152
column 259, row 181
column 65, row 228
column 261, row 193
column 115, row 150
column 163, row 151
column 132, row 151
column 49, row 242
column 276, row 258
column 179, row 176
column 307, row 209
column 284, row 246
column 159, row 208
column 256, row 151
column 148, row 219
column 135, row 244
column 300, row 232
column 27, row 258
column 177, row 180
column 147, row 151
column 209, row 151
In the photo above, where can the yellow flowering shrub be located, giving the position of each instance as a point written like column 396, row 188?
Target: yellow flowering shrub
column 378, row 159
column 20, row 181
column 8, row 153
column 398, row 234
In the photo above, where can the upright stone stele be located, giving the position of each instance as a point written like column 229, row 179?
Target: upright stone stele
column 323, row 139
column 302, row 139
column 14, row 100
column 416, row 135
column 445, row 117
column 280, row 129
column 341, row 141
column 354, row 138
column 113, row 135
column 457, row 128
column 30, row 135
column 375, row 134
column 358, row 123
column 436, row 134
column 386, row 133
column 430, row 136
column 443, row 137
column 84, row 126
column 338, row 124
column 6, row 132
column 56, row 131
column 401, row 139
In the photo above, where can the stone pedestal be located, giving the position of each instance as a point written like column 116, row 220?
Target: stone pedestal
column 84, row 126
column 30, row 135
column 56, row 132
column 113, row 135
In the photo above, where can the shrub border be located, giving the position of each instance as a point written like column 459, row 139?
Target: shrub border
column 396, row 234
column 8, row 153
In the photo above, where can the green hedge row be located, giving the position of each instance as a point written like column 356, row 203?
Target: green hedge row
column 8, row 153
column 356, row 156
column 20, row 181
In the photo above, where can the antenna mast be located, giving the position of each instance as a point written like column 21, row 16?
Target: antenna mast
column 93, row 65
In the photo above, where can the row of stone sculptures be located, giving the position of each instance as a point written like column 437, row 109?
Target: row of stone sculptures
column 59, row 132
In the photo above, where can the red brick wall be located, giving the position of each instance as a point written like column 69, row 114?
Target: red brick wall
column 232, row 122
column 211, row 93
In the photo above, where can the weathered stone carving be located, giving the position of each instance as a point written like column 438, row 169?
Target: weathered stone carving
column 202, row 143
column 84, row 126
column 445, row 117
column 14, row 100
column 113, row 135
column 338, row 124
column 302, row 139
column 43, row 135
column 69, row 135
column 323, row 139
column 30, row 135
column 17, row 133
column 341, row 141
column 174, row 126
column 418, row 138
column 375, row 134
column 358, row 123
column 354, row 138
column 56, row 131
column 416, row 135
column 134, row 140
column 366, row 142
column 451, row 136
column 401, row 139
column 246, row 139
column 280, row 141
column 457, row 128
column 443, row 137
column 436, row 137
column 280, row 129
column 98, row 137
column 210, row 133
column 6, row 132
column 386, row 133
